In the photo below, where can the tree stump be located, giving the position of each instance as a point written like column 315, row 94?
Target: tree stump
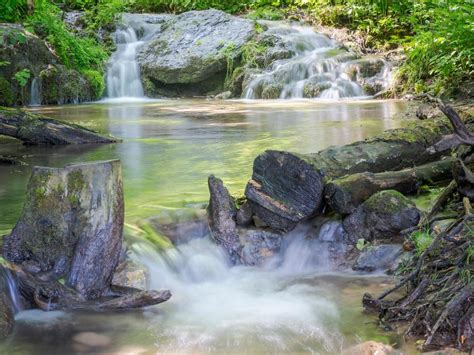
column 71, row 226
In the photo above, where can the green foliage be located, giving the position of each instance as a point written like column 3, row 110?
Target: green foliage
column 13, row 10
column 96, row 82
column 22, row 77
column 361, row 244
column 6, row 94
column 78, row 53
column 422, row 240
column 266, row 13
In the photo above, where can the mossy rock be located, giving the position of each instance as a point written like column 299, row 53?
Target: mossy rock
column 6, row 93
column 382, row 217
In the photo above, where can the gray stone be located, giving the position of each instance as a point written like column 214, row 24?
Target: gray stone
column 379, row 257
column 382, row 216
column 194, row 47
column 258, row 245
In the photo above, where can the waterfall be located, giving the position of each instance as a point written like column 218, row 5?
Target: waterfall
column 123, row 73
column 314, row 66
column 35, row 92
column 11, row 284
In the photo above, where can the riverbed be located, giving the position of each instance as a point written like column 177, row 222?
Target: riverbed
column 169, row 148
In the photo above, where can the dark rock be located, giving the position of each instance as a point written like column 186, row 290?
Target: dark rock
column 222, row 215
column 183, row 232
column 381, row 217
column 71, row 225
column 244, row 215
column 379, row 257
column 7, row 317
column 466, row 329
column 258, row 245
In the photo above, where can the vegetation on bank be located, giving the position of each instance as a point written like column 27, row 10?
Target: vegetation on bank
column 437, row 35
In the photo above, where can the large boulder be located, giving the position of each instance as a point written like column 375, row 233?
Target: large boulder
column 191, row 48
column 383, row 216
column 380, row 257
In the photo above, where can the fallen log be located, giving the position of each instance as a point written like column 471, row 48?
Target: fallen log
column 287, row 188
column 36, row 129
column 345, row 194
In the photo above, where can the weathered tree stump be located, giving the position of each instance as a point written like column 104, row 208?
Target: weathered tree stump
column 287, row 188
column 36, row 129
column 71, row 225
column 345, row 194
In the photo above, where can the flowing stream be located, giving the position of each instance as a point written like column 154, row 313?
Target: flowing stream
column 296, row 303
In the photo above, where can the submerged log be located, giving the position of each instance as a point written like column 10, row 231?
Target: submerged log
column 345, row 194
column 71, row 225
column 287, row 188
column 36, row 129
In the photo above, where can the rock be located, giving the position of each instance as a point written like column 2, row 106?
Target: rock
column 258, row 246
column 7, row 317
column 316, row 84
column 379, row 257
column 222, row 215
column 194, row 47
column 130, row 273
column 71, row 225
column 369, row 348
column 381, row 217
column 244, row 215
column 224, row 95
column 58, row 85
column 182, row 232
column 91, row 339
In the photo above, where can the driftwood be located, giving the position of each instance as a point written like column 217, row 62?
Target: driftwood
column 287, row 188
column 345, row 194
column 439, row 292
column 70, row 230
column 36, row 129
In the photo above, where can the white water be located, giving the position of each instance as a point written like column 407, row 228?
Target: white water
column 123, row 73
column 35, row 92
column 317, row 62
column 216, row 306
column 11, row 284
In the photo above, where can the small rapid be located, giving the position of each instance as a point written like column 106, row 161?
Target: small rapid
column 314, row 66
column 216, row 306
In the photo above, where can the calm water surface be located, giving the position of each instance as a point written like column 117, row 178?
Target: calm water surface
column 169, row 148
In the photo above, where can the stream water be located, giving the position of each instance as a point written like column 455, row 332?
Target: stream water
column 169, row 148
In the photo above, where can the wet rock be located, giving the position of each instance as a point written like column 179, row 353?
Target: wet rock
column 182, row 230
column 258, row 246
column 315, row 85
column 224, row 95
column 222, row 215
column 194, row 47
column 381, row 217
column 369, row 348
column 91, row 339
column 71, row 225
column 130, row 273
column 379, row 257
column 7, row 319
column 271, row 91
column 244, row 215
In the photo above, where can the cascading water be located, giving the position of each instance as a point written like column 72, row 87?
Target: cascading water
column 315, row 66
column 10, row 283
column 123, row 73
column 35, row 92
column 215, row 305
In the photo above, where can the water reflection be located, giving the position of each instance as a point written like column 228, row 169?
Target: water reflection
column 171, row 146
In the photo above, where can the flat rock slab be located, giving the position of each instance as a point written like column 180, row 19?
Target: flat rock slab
column 71, row 225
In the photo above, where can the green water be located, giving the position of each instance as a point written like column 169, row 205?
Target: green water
column 168, row 150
